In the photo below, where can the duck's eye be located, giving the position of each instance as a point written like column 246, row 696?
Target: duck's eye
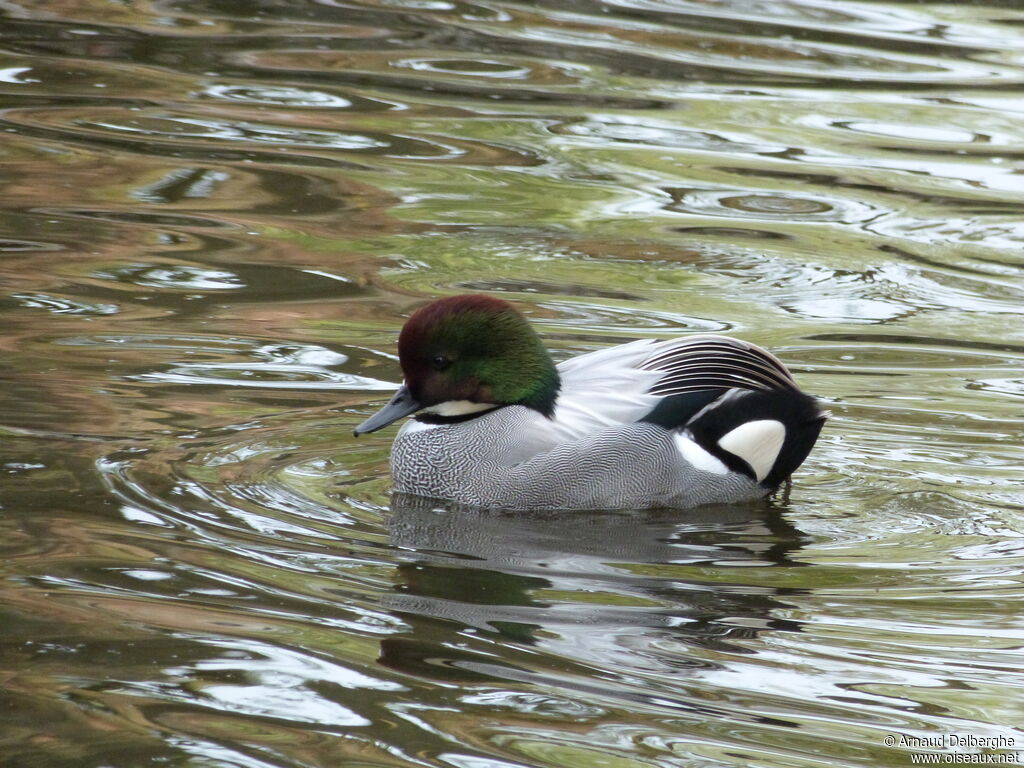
column 440, row 362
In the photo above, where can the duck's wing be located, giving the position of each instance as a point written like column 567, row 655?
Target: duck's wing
column 626, row 383
column 704, row 362
column 603, row 388
column 729, row 404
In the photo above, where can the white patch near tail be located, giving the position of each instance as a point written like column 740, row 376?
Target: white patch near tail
column 758, row 443
column 697, row 456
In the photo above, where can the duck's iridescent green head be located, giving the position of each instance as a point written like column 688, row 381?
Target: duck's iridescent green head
column 467, row 354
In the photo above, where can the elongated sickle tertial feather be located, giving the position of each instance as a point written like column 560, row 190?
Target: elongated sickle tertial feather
column 716, row 362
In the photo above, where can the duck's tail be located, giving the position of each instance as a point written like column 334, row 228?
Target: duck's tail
column 765, row 434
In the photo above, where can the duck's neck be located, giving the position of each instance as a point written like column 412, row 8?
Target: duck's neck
column 544, row 396
column 454, row 411
column 541, row 398
column 522, row 374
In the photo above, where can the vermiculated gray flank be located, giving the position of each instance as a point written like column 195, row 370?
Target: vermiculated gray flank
column 479, row 463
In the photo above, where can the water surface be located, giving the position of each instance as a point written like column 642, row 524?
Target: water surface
column 215, row 217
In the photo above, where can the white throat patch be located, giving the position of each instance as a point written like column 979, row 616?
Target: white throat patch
column 457, row 408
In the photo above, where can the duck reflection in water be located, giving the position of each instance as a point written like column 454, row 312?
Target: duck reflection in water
column 597, row 597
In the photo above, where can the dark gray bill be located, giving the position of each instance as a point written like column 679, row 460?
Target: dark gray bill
column 402, row 404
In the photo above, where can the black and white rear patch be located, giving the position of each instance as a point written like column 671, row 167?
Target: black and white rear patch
column 765, row 434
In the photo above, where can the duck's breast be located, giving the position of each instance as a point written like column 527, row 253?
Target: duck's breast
column 456, row 461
